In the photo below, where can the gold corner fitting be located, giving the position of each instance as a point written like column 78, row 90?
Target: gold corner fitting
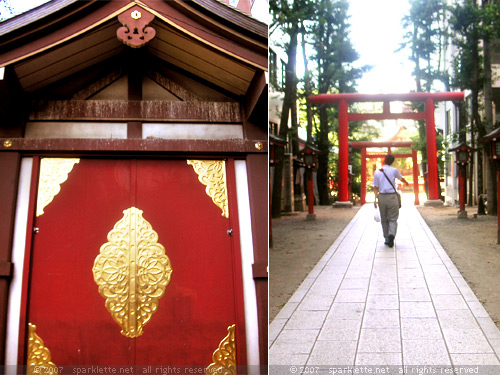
column 224, row 358
column 212, row 174
column 132, row 272
column 39, row 358
column 53, row 172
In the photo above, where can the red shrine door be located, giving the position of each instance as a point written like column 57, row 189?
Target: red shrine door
column 135, row 262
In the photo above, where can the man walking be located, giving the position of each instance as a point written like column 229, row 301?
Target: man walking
column 388, row 198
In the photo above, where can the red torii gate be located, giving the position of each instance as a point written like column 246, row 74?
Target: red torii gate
column 343, row 101
column 363, row 145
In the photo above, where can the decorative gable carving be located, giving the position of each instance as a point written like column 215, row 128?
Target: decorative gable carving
column 135, row 31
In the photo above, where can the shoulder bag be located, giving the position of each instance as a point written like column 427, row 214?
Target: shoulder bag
column 399, row 196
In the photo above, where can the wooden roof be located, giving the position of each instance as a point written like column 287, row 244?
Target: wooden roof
column 205, row 38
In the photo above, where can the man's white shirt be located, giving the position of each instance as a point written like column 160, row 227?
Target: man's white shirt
column 381, row 182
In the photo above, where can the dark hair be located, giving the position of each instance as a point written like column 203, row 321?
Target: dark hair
column 389, row 159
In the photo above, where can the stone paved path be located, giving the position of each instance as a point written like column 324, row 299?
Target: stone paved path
column 367, row 304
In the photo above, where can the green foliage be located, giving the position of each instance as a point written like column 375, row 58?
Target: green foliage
column 465, row 20
column 426, row 38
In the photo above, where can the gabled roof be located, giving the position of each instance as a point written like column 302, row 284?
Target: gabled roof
column 205, row 38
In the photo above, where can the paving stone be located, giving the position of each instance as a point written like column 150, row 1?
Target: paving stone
column 312, row 302
column 489, row 328
column 333, row 353
column 296, row 341
column 417, row 310
column 478, row 310
column 410, row 272
column 351, row 295
column 381, row 319
column 287, row 310
column 380, row 359
column 457, row 319
column 425, row 353
column 414, row 294
column 275, row 328
column 387, row 287
column 449, row 302
column 475, row 360
column 412, row 282
column 380, row 340
column 466, row 341
column 346, row 310
column 382, row 302
column 306, row 320
column 357, row 283
column 420, row 329
column 340, row 330
column 282, row 361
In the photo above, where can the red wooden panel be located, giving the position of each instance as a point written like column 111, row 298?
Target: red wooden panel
column 199, row 303
column 64, row 301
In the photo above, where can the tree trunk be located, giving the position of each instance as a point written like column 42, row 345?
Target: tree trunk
column 476, row 125
column 308, row 92
column 288, row 102
column 324, row 147
column 491, row 176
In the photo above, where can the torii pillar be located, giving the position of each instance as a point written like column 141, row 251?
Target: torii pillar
column 429, row 99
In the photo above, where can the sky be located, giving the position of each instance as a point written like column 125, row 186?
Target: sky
column 20, row 6
column 376, row 34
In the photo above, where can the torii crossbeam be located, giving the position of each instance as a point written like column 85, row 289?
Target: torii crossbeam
column 344, row 100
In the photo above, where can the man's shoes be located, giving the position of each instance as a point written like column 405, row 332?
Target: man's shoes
column 386, row 241
column 390, row 241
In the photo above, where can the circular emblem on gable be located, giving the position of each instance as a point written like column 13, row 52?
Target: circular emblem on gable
column 136, row 15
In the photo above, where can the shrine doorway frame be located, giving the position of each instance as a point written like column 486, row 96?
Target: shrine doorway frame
column 343, row 101
column 401, row 144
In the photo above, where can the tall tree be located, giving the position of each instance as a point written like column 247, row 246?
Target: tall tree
column 426, row 38
column 334, row 55
column 287, row 18
column 469, row 30
column 490, row 14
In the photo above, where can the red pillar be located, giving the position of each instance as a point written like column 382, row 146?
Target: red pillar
column 430, row 130
column 310, row 191
column 363, row 175
column 343, row 152
column 498, row 205
column 415, row 176
column 461, row 186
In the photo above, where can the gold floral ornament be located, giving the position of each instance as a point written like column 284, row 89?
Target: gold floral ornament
column 53, row 172
column 132, row 272
column 212, row 174
column 224, row 358
column 39, row 357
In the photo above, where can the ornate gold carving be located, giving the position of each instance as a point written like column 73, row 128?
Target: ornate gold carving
column 212, row 174
column 136, row 15
column 132, row 272
column 39, row 357
column 53, row 172
column 224, row 358
column 7, row 143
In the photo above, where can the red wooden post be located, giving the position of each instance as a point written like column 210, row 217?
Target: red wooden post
column 270, row 217
column 363, row 176
column 310, row 192
column 415, row 176
column 343, row 152
column 430, row 130
column 498, row 205
column 461, row 186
